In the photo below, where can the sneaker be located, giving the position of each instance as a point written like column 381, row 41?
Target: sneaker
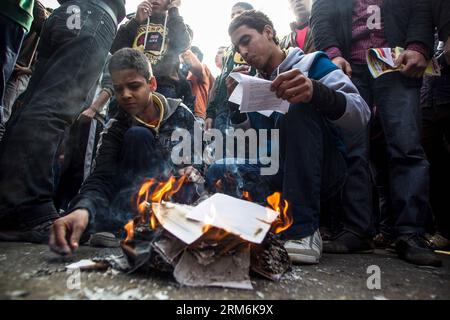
column 383, row 241
column 415, row 249
column 438, row 242
column 104, row 239
column 348, row 242
column 307, row 250
column 37, row 234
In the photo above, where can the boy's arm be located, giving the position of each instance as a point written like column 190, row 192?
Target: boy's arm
column 333, row 94
column 95, row 194
column 337, row 97
column 195, row 66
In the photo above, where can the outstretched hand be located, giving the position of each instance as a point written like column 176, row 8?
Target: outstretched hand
column 66, row 232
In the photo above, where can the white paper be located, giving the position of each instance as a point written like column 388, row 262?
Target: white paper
column 246, row 219
column 253, row 94
column 173, row 218
column 81, row 264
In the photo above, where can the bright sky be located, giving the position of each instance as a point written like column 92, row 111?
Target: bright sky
column 209, row 20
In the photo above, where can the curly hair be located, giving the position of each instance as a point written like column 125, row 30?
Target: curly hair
column 252, row 19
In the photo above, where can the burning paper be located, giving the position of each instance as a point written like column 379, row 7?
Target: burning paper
column 213, row 244
column 173, row 217
column 245, row 219
column 230, row 271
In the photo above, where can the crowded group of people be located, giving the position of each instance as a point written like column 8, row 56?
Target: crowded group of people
column 89, row 105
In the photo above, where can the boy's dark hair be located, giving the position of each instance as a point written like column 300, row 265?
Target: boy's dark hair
column 252, row 19
column 243, row 5
column 196, row 50
column 127, row 58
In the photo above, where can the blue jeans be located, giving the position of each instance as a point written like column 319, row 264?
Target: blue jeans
column 312, row 170
column 69, row 63
column 11, row 37
column 397, row 100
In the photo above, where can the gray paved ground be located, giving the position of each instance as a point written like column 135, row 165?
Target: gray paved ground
column 30, row 271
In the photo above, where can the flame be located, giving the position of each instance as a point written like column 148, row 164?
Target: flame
column 153, row 222
column 176, row 187
column 284, row 220
column 142, row 197
column 206, row 228
column 219, row 185
column 162, row 189
column 246, row 196
column 145, row 198
column 209, row 219
column 129, row 228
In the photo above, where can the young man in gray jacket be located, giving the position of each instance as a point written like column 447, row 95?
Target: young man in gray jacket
column 323, row 101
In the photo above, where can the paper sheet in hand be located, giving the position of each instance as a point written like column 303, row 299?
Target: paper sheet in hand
column 253, row 94
column 246, row 219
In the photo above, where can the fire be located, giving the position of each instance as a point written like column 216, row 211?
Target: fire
column 219, row 185
column 153, row 222
column 284, row 220
column 209, row 219
column 246, row 196
column 129, row 228
column 145, row 197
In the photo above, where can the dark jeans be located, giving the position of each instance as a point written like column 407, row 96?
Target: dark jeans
column 11, row 37
column 436, row 142
column 397, row 102
column 384, row 217
column 312, row 169
column 69, row 63
column 357, row 216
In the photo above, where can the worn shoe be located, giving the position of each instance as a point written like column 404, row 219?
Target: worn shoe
column 104, row 239
column 307, row 250
column 438, row 242
column 414, row 249
column 37, row 234
column 347, row 242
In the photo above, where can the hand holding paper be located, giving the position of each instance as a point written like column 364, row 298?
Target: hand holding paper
column 253, row 94
column 382, row 60
column 293, row 86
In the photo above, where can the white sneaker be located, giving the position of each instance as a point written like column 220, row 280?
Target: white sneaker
column 307, row 250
